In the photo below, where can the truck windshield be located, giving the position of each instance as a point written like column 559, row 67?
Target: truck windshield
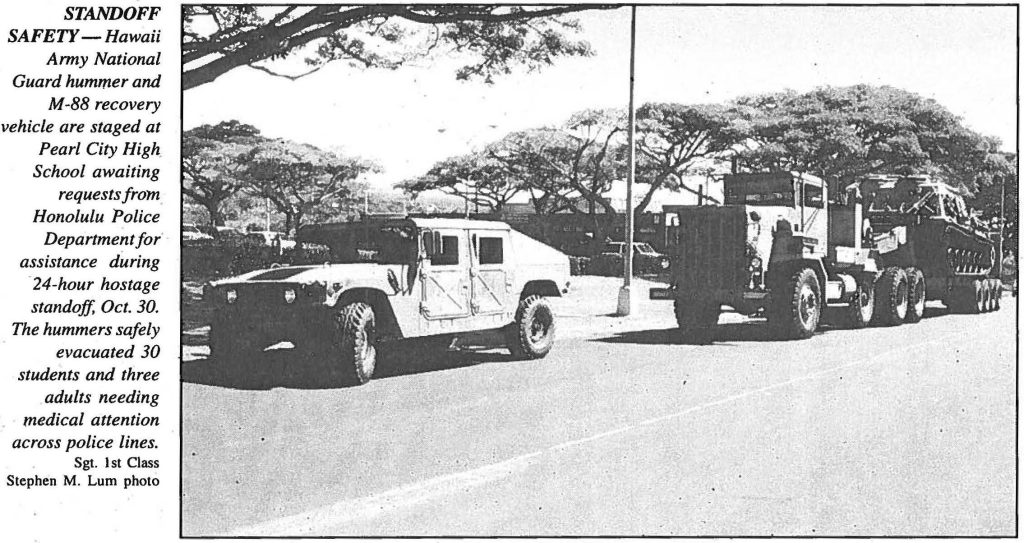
column 760, row 192
column 360, row 244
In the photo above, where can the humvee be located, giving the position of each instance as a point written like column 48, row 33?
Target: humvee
column 355, row 286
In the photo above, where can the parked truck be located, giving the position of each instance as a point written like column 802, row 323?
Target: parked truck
column 779, row 247
column 357, row 286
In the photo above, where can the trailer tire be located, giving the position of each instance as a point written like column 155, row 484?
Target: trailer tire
column 862, row 307
column 979, row 291
column 891, row 297
column 997, row 295
column 916, row 295
column 697, row 320
column 795, row 309
column 353, row 349
column 533, row 333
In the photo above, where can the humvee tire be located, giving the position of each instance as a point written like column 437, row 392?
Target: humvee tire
column 915, row 295
column 697, row 320
column 862, row 307
column 795, row 309
column 533, row 333
column 891, row 297
column 353, row 349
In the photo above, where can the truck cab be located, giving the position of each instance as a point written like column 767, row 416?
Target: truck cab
column 775, row 248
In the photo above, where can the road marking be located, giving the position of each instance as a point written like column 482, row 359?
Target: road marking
column 346, row 511
column 363, row 508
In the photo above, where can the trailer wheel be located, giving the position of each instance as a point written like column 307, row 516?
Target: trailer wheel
column 862, row 307
column 891, row 297
column 979, row 297
column 796, row 306
column 997, row 294
column 697, row 320
column 916, row 295
column 353, row 345
column 533, row 333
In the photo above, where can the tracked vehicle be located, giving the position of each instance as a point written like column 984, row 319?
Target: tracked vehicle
column 946, row 249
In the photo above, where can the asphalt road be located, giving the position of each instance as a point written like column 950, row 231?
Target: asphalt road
column 898, row 431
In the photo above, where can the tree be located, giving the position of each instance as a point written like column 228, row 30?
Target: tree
column 1000, row 195
column 218, row 39
column 671, row 139
column 212, row 158
column 300, row 179
column 477, row 178
column 841, row 133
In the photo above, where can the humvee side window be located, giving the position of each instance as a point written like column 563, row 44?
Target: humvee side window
column 491, row 251
column 448, row 253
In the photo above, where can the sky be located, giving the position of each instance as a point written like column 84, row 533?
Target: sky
column 963, row 57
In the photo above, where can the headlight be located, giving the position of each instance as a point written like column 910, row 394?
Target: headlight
column 289, row 295
column 664, row 263
column 755, row 262
column 231, row 296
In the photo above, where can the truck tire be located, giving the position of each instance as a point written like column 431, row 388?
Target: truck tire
column 862, row 307
column 795, row 309
column 353, row 343
column 979, row 290
column 916, row 295
column 532, row 335
column 891, row 297
column 697, row 320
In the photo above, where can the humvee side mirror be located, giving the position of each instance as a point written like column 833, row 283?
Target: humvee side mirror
column 428, row 244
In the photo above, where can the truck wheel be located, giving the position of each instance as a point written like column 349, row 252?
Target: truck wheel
column 796, row 306
column 533, row 333
column 862, row 306
column 697, row 320
column 891, row 297
column 915, row 294
column 353, row 343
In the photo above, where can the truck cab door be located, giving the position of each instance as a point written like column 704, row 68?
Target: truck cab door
column 445, row 275
column 491, row 280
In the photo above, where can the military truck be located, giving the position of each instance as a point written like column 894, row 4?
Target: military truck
column 948, row 253
column 356, row 286
column 778, row 248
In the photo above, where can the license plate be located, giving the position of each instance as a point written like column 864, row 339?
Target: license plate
column 662, row 294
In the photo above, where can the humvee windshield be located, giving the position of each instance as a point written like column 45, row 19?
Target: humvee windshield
column 378, row 244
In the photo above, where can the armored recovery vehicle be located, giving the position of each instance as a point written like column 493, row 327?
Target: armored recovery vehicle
column 779, row 248
column 949, row 252
column 371, row 282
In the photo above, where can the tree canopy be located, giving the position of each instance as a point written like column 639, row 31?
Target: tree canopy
column 841, row 133
column 300, row 179
column 477, row 178
column 492, row 39
column 212, row 162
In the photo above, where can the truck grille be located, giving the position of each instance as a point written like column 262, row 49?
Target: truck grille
column 708, row 248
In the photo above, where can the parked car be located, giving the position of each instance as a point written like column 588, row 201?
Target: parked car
column 191, row 232
column 273, row 239
column 646, row 260
column 389, row 280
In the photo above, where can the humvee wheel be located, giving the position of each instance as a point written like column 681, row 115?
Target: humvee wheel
column 353, row 345
column 533, row 333
column 891, row 297
column 862, row 306
column 796, row 306
column 915, row 294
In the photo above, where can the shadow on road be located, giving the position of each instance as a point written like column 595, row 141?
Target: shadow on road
column 292, row 368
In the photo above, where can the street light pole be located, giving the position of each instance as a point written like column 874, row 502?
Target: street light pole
column 626, row 301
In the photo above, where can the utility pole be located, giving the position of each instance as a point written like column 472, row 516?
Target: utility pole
column 626, row 301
